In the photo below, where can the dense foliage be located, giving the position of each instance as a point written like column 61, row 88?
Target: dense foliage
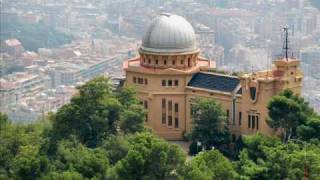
column 291, row 113
column 209, row 124
column 100, row 135
column 32, row 36
column 268, row 158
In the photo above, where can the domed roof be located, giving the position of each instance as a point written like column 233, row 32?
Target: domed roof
column 169, row 33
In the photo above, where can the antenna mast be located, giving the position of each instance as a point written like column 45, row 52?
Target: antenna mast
column 286, row 42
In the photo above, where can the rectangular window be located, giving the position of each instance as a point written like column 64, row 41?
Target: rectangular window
column 165, row 62
column 173, row 62
column 145, row 81
column 134, row 80
column 181, row 62
column 164, row 82
column 146, row 104
column 233, row 111
column 240, row 118
column 228, row 113
column 140, row 80
column 169, row 120
column 169, row 82
column 157, row 61
column 146, row 117
column 249, row 121
column 163, row 103
column 169, row 105
column 176, row 82
column 164, row 118
column 176, row 122
column 257, row 124
column 176, row 107
column 253, row 122
column 164, row 115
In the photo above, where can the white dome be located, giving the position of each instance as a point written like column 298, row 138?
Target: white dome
column 169, row 33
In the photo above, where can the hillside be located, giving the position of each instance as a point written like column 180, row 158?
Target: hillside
column 33, row 36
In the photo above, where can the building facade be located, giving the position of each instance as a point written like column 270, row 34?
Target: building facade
column 169, row 73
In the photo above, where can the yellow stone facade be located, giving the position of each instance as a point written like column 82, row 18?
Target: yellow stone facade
column 162, row 80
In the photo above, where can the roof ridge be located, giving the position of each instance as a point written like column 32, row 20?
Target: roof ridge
column 219, row 74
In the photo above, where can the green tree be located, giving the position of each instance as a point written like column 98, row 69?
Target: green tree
column 73, row 156
column 127, row 96
column 28, row 164
column 291, row 113
column 149, row 158
column 310, row 130
column 268, row 158
column 209, row 165
column 91, row 115
column 65, row 175
column 3, row 120
column 19, row 151
column 133, row 114
column 116, row 148
column 209, row 123
column 132, row 119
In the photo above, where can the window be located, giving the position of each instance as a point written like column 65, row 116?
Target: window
column 188, row 62
column 145, row 104
column 165, row 62
column 176, row 107
column 163, row 103
column 157, row 61
column 145, row 81
column 140, row 80
column 169, row 82
column 144, row 60
column 228, row 116
column 134, row 80
column 234, row 111
column 164, row 82
column 182, row 62
column 176, row 122
column 164, row 111
column 176, row 82
column 146, row 117
column 164, row 118
column 170, row 120
column 149, row 61
column 253, row 122
column 240, row 118
column 174, row 62
column 169, row 105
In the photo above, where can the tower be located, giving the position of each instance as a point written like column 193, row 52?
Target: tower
column 259, row 87
column 287, row 69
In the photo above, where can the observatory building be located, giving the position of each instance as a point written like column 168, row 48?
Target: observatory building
column 169, row 73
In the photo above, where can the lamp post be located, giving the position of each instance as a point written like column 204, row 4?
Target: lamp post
column 305, row 176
